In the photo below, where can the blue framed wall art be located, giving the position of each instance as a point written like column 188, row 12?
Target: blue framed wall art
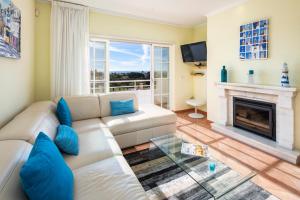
column 254, row 40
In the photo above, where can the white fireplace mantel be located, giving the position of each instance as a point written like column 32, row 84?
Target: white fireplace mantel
column 282, row 97
column 283, row 147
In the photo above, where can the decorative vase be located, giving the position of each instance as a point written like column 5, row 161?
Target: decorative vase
column 251, row 76
column 224, row 75
column 285, row 76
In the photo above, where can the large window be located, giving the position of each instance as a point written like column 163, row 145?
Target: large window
column 117, row 66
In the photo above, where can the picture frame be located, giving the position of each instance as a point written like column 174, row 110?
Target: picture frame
column 10, row 30
column 254, row 40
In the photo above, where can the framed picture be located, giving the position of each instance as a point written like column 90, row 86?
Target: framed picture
column 254, row 40
column 10, row 30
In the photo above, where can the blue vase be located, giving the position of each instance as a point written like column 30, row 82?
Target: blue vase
column 224, row 75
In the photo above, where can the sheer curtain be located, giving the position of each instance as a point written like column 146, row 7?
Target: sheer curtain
column 69, row 44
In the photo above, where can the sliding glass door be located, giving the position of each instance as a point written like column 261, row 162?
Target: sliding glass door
column 98, row 66
column 143, row 68
column 161, row 69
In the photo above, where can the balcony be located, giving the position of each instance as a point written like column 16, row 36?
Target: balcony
column 142, row 88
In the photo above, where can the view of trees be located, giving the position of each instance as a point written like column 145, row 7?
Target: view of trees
column 119, row 76
column 130, row 78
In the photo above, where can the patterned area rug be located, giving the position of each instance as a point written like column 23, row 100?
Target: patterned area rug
column 162, row 179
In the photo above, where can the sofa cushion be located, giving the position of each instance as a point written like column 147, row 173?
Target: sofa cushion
column 83, row 107
column 106, row 98
column 95, row 141
column 122, row 107
column 39, row 117
column 67, row 140
column 16, row 154
column 63, row 113
column 148, row 116
column 110, row 179
column 45, row 174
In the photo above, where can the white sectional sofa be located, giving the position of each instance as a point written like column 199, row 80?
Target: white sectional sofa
column 100, row 170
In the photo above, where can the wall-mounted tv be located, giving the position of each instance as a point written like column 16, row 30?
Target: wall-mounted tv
column 195, row 52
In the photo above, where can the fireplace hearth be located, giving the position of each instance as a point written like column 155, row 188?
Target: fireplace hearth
column 255, row 116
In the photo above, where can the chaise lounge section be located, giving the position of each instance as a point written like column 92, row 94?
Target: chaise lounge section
column 100, row 169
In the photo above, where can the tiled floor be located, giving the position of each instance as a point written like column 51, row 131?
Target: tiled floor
column 280, row 178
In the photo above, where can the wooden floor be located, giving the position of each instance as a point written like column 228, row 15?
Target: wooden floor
column 280, row 178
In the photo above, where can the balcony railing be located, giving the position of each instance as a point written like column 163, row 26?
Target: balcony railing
column 129, row 85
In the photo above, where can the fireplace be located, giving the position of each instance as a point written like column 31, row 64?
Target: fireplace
column 255, row 116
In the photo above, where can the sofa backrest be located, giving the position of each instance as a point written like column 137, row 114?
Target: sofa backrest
column 40, row 116
column 83, row 107
column 106, row 98
column 14, row 154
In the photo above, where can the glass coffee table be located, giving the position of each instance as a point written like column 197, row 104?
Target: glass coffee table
column 217, row 182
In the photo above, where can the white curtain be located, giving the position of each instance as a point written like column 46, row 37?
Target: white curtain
column 69, row 44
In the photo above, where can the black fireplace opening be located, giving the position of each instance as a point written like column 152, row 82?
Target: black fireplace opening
column 255, row 116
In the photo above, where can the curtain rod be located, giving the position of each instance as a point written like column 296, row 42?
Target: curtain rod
column 70, row 3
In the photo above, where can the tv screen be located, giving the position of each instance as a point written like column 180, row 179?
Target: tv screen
column 195, row 52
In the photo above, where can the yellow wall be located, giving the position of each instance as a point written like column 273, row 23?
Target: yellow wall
column 16, row 76
column 108, row 25
column 223, row 48
column 42, row 58
column 199, row 82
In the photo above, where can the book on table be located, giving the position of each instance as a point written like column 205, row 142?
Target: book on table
column 194, row 149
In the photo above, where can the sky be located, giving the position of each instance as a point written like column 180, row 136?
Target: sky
column 5, row 3
column 129, row 56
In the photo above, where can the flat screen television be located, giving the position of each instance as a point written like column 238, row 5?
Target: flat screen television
column 195, row 52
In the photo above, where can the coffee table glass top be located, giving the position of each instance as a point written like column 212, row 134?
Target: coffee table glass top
column 217, row 182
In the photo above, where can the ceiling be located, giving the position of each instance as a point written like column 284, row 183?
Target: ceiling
column 177, row 12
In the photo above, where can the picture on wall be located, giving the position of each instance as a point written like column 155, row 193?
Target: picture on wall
column 10, row 30
column 254, row 40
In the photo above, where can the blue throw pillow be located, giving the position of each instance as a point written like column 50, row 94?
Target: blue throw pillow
column 63, row 113
column 45, row 175
column 121, row 107
column 67, row 140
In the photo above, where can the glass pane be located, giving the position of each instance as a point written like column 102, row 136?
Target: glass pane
column 165, row 70
column 165, row 101
column 157, row 54
column 157, row 100
column 165, row 54
column 165, row 86
column 91, row 74
column 99, row 51
column 161, row 75
column 157, row 86
column 91, row 54
column 99, row 70
column 157, row 69
column 99, row 88
column 92, row 87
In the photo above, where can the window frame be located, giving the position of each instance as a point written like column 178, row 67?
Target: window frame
column 106, row 67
